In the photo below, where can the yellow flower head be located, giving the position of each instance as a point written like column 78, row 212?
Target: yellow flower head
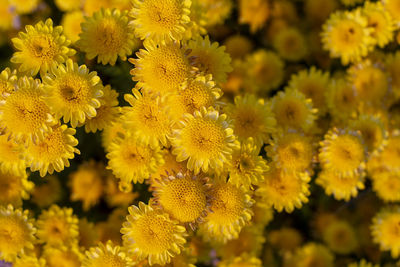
column 340, row 237
column 197, row 23
column 380, row 21
column 71, row 23
column 312, row 254
column 41, row 48
column 216, row 11
column 48, row 193
column 72, row 92
column 170, row 166
column 385, row 230
column 183, row 196
column 150, row 234
column 108, row 35
column 131, row 160
column 24, row 116
column 210, row 58
column 16, row 233
column 252, row 117
column 66, row 255
column 8, row 80
column 290, row 44
column 254, row 13
column 160, row 68
column 205, row 139
column 285, row 239
column 107, row 255
column 14, row 189
column 57, row 226
column 160, row 20
column 111, row 132
column 231, row 211
column 341, row 99
column 284, row 190
column 386, row 185
column 54, row 152
column 114, row 196
column 346, row 35
column 11, row 157
column 393, row 7
column 29, row 261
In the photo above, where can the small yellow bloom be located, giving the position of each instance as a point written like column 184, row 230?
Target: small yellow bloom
column 107, row 255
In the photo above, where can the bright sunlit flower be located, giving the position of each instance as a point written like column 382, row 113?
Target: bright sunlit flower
column 380, row 21
column 386, row 185
column 107, row 255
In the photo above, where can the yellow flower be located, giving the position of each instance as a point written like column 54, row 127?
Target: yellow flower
column 71, row 22
column 72, row 92
column 114, row 196
column 284, row 190
column 8, row 80
column 24, row 116
column 254, row 13
column 285, row 239
column 197, row 23
column 385, row 230
column 131, row 160
column 92, row 6
column 346, row 35
column 160, row 20
column 340, row 237
column 11, row 157
column 341, row 99
column 231, row 211
column 252, row 117
column 390, row 155
column 67, row 255
column 6, row 15
column 380, row 21
column 68, row 5
column 183, row 190
column 393, row 7
column 170, row 166
column 108, row 35
column 88, row 236
column 205, row 139
column 53, row 153
column 57, row 226
column 29, row 261
column 48, row 193
column 150, row 234
column 210, row 58
column 41, row 48
column 14, row 189
column 312, row 254
column 16, row 232
column 24, row 6
column 386, row 185
column 216, row 11
column 160, row 68
column 238, row 46
column 111, row 132
column 107, row 255
column 290, row 44
column 243, row 260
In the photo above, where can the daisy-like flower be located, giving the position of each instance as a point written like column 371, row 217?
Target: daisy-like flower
column 107, row 34
column 340, row 237
column 24, row 116
column 150, row 234
column 341, row 99
column 293, row 110
column 254, row 13
column 284, row 190
column 132, row 160
column 107, row 255
column 160, row 68
column 8, row 79
column 57, row 226
column 385, row 230
column 205, row 139
column 210, row 58
column 40, row 48
column 71, row 23
column 285, row 239
column 106, row 114
column 290, row 44
column 111, row 132
column 187, row 192
column 216, row 11
column 342, row 152
column 313, row 84
column 148, row 118
column 14, row 189
column 231, row 211
column 160, row 20
column 386, row 185
column 68, row 255
column 11, row 157
column 72, row 92
column 252, row 117
column 54, row 152
column 16, row 232
column 247, row 167
column 312, row 254
column 346, row 35
column 48, row 193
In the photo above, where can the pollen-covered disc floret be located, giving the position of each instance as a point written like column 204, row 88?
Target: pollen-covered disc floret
column 205, row 139
column 150, row 234
column 40, row 48
column 107, row 34
column 107, row 255
column 72, row 92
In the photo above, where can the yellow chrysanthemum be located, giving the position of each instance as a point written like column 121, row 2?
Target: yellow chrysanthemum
column 197, row 23
column 170, row 166
column 72, row 92
column 341, row 186
column 346, row 35
column 284, row 190
column 29, row 261
column 54, row 152
column 293, row 110
column 107, row 34
column 24, row 6
column 341, row 99
column 149, row 233
column 254, row 13
column 285, row 239
column 244, row 260
column 107, row 255
column 385, row 230
column 313, row 84
column 114, row 196
column 68, row 5
column 148, row 119
column 342, row 152
column 312, row 255
column 11, row 157
column 71, row 23
column 389, row 158
column 247, row 168
column 252, row 117
column 393, row 67
column 88, row 236
column 216, row 11
column 16, row 232
column 340, row 237
column 131, row 160
column 231, row 211
column 14, row 189
column 160, row 20
column 393, row 7
column 107, row 113
column 111, row 132
column 238, row 46
column 41, row 48
column 160, row 68
column 362, row 263
column 24, row 116
column 290, row 44
column 66, row 255
column 57, row 226
column 186, row 191
column 380, row 21
column 6, row 15
column 386, row 185
column 205, row 139
column 47, row 193
column 210, row 58
column 8, row 80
